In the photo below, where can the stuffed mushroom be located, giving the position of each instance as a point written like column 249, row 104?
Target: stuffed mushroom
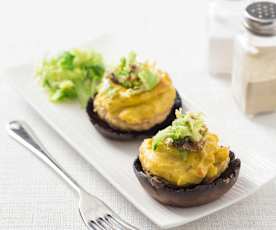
column 184, row 165
column 135, row 99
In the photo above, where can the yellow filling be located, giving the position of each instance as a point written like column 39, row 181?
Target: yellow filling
column 168, row 163
column 135, row 111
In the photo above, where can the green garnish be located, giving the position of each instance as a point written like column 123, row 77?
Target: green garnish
column 74, row 74
column 148, row 79
column 186, row 127
column 134, row 75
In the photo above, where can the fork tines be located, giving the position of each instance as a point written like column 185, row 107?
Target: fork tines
column 108, row 222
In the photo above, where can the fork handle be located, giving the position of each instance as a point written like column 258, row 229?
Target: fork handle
column 22, row 133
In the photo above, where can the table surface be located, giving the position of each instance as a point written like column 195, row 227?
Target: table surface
column 31, row 195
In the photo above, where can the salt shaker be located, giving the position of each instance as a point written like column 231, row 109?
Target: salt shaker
column 224, row 21
column 254, row 67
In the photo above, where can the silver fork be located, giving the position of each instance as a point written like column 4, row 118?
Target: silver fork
column 95, row 213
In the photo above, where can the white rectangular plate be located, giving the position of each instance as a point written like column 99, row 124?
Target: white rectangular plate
column 114, row 159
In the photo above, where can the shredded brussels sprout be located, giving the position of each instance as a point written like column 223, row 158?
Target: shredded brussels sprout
column 73, row 74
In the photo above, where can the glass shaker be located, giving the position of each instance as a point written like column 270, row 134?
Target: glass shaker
column 254, row 68
column 224, row 22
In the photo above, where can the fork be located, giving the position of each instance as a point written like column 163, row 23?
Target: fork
column 94, row 212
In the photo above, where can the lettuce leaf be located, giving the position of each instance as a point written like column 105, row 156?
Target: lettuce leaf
column 75, row 74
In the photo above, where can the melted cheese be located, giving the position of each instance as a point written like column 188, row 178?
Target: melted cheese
column 167, row 163
column 135, row 111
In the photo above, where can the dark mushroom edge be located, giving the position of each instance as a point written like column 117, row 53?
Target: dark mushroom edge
column 106, row 130
column 189, row 196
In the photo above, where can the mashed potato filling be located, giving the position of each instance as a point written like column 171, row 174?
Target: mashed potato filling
column 166, row 162
column 129, row 110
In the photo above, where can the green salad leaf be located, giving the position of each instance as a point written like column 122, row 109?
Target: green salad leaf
column 74, row 74
column 67, row 60
column 189, row 126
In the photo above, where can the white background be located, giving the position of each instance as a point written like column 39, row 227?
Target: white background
column 31, row 196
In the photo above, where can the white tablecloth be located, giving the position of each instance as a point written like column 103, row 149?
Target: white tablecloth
column 31, row 195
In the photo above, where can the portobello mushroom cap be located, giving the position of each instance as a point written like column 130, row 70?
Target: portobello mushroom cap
column 188, row 196
column 106, row 130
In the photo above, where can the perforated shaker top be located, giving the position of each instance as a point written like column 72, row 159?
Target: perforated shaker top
column 260, row 18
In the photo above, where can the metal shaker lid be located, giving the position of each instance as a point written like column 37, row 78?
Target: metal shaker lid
column 260, row 18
